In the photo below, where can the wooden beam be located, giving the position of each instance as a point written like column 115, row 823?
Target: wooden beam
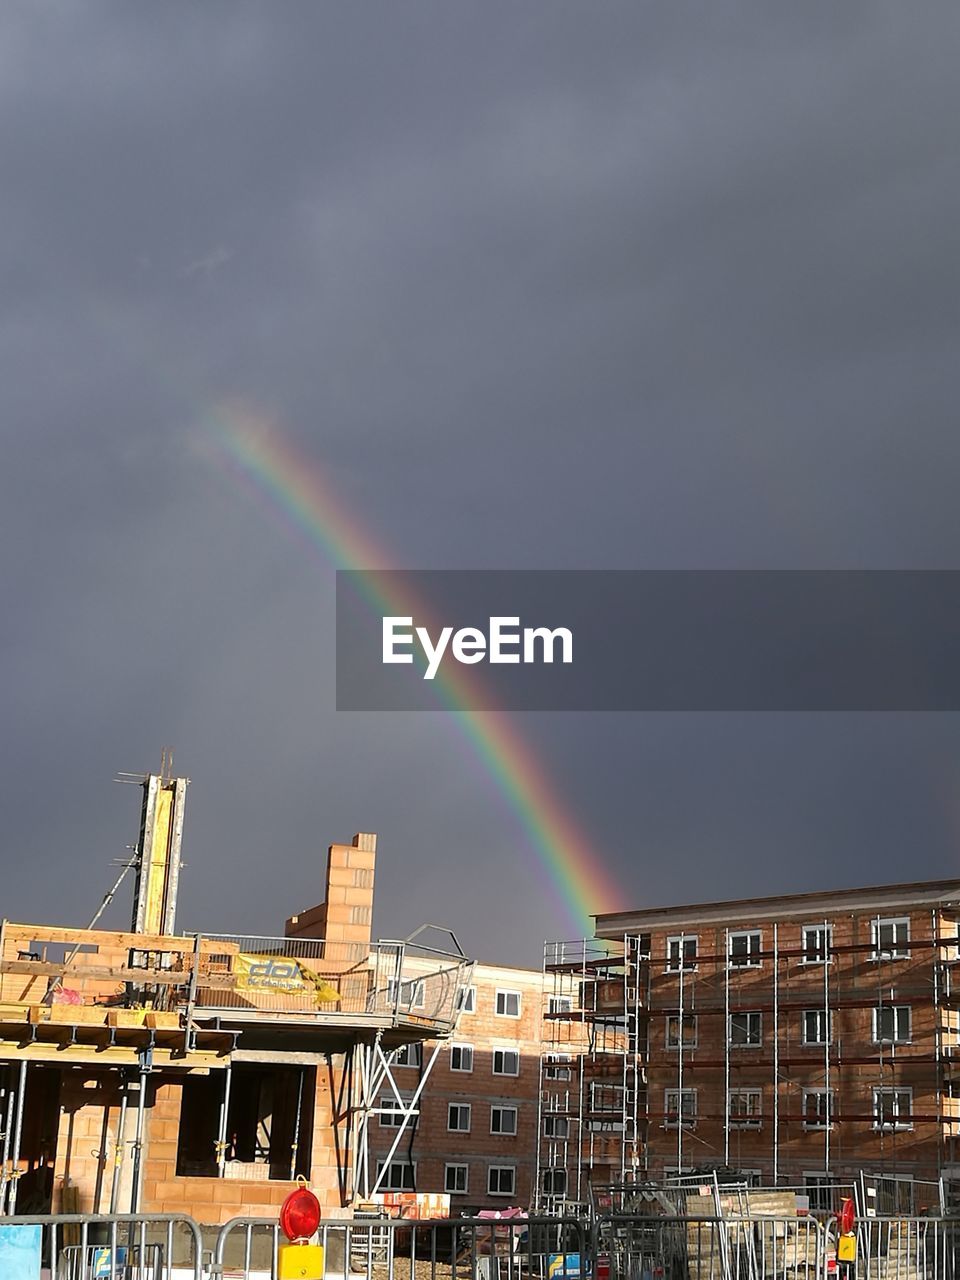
column 122, row 941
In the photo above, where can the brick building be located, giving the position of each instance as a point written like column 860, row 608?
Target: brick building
column 475, row 1135
column 146, row 1071
column 798, row 1039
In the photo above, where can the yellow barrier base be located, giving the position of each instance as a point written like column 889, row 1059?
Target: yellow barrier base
column 300, row 1262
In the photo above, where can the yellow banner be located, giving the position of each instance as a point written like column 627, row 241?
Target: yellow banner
column 280, row 975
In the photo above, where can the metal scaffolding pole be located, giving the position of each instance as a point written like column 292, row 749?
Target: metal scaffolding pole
column 118, row 1150
column 222, row 1126
column 7, row 1125
column 726, row 1049
column 17, row 1133
column 680, row 1064
column 296, row 1126
column 776, row 1056
column 138, row 1141
column 937, row 1032
column 827, row 1034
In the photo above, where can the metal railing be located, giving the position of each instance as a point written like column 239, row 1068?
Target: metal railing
column 88, row 1246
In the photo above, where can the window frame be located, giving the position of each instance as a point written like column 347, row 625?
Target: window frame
column 418, row 993
column 493, row 1062
column 821, row 1014
column 502, row 1168
column 818, row 1126
column 558, row 1067
column 675, row 964
column 553, row 1171
column 689, row 1043
column 505, row 992
column 461, row 1047
column 747, row 1043
column 416, row 1046
column 826, row 948
column 747, row 962
column 876, row 928
column 557, row 1006
column 467, row 1000
column 554, row 1118
column 894, row 1126
column 894, row 1009
column 754, row 1121
column 686, row 1120
column 502, row 1107
column 390, row 1108
column 456, row 1191
column 386, row 1185
column 460, row 1108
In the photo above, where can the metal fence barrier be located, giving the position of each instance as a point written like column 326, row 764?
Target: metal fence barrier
column 88, row 1246
column 538, row 1248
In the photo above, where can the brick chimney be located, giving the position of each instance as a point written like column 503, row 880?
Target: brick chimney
column 347, row 914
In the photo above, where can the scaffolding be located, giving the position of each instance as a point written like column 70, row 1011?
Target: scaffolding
column 792, row 1053
column 591, row 1079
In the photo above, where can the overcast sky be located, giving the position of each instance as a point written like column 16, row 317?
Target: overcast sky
column 538, row 285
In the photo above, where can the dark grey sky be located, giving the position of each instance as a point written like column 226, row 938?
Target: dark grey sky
column 543, row 285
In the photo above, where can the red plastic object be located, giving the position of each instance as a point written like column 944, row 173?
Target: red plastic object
column 300, row 1215
column 848, row 1218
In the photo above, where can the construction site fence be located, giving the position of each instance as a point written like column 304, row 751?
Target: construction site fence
column 87, row 1246
column 605, row 1247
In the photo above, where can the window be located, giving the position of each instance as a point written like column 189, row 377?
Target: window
column 682, row 948
column 815, row 1026
column 410, row 1055
column 555, row 1126
column 744, row 950
column 680, row 1106
column 892, row 1108
column 817, row 941
column 458, row 1117
column 890, row 938
column 508, row 1004
column 401, row 1175
column 501, row 1180
column 408, row 994
column 461, row 1057
column 557, row 1067
column 467, row 1000
column 506, row 1062
column 817, row 1109
column 558, row 1005
column 746, row 1030
column 456, row 1179
column 891, row 1024
column 391, row 1113
column 553, row 1182
column 745, row 1108
column 503, row 1120
column 689, row 1031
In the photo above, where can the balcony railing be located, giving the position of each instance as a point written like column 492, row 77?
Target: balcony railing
column 79, row 976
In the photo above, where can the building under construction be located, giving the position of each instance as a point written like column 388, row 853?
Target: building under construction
column 146, row 1071
column 796, row 1040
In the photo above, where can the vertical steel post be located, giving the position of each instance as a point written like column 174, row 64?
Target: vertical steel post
column 118, row 1150
column 726, row 1048
column 296, row 1127
column 17, row 1132
column 222, row 1127
column 776, row 1055
column 138, row 1141
column 680, row 1065
column 827, row 1036
column 7, row 1126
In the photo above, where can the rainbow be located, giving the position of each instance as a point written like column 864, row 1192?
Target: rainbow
column 266, row 462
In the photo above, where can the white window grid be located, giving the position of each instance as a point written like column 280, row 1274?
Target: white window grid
column 743, row 949
column 672, row 1029
column 745, row 1108
column 503, row 1121
column 687, row 943
column 817, row 944
column 745, row 1029
column 889, row 936
column 889, row 1106
column 467, row 1000
column 680, row 1106
column 892, row 1024
column 401, row 1175
column 816, row 1026
column 508, row 1003
column 506, row 1062
column 458, row 1117
column 817, row 1105
column 461, row 1057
